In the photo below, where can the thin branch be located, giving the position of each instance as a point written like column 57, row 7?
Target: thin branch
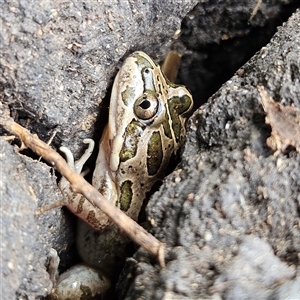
column 255, row 9
column 80, row 185
column 171, row 64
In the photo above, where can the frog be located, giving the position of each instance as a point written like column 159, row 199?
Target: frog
column 145, row 129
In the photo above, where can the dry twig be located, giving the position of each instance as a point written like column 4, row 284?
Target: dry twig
column 255, row 9
column 171, row 64
column 80, row 185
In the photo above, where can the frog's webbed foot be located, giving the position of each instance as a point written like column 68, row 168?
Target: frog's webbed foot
column 77, row 166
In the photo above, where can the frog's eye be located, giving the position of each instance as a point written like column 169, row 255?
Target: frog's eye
column 146, row 106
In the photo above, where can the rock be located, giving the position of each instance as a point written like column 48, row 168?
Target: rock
column 26, row 238
column 230, row 213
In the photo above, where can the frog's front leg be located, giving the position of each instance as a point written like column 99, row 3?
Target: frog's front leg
column 105, row 248
column 75, row 202
column 80, row 280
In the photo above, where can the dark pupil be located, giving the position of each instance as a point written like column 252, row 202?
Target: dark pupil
column 145, row 104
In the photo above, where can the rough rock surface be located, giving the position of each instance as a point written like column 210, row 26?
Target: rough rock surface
column 26, row 238
column 230, row 214
column 220, row 36
column 58, row 59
